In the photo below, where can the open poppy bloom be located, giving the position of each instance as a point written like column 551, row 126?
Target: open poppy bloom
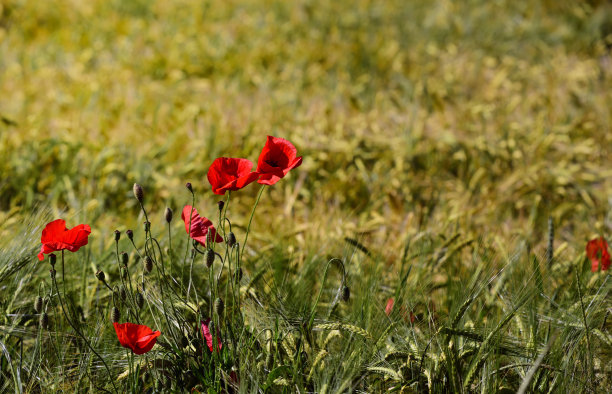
column 277, row 158
column 597, row 251
column 226, row 173
column 137, row 337
column 55, row 237
column 199, row 226
column 208, row 336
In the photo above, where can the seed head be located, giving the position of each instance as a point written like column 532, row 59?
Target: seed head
column 139, row 300
column 231, row 239
column 52, row 259
column 130, row 234
column 168, row 214
column 44, row 320
column 38, row 304
column 100, row 275
column 219, row 306
column 189, row 187
column 138, row 192
column 148, row 264
column 209, row 255
column 124, row 259
column 115, row 314
column 221, row 204
column 346, row 293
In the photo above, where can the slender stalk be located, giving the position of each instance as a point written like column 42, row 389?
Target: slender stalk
column 246, row 236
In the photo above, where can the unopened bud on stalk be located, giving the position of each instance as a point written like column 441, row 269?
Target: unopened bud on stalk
column 346, row 293
column 130, row 234
column 209, row 255
column 148, row 264
column 100, row 275
column 147, row 226
column 219, row 306
column 138, row 192
column 168, row 214
column 115, row 314
column 221, row 204
column 122, row 293
column 117, row 235
column 139, row 300
column 52, row 272
column 238, row 275
column 52, row 259
column 124, row 258
column 189, row 187
column 38, row 304
column 44, row 320
column 231, row 239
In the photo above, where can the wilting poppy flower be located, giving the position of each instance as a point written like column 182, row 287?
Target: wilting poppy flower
column 226, row 173
column 208, row 336
column 277, row 158
column 597, row 251
column 55, row 237
column 137, row 337
column 199, row 226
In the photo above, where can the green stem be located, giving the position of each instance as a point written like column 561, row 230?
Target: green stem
column 246, row 237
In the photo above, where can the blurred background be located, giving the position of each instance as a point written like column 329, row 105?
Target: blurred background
column 484, row 117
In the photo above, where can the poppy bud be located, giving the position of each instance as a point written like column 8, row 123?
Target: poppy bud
column 52, row 272
column 122, row 293
column 148, row 264
column 115, row 314
column 221, row 204
column 231, row 239
column 124, row 273
column 100, row 275
column 124, row 258
column 209, row 255
column 117, row 235
column 130, row 234
column 168, row 214
column 138, row 192
column 139, row 300
column 147, row 226
column 238, row 275
column 188, row 186
column 346, row 293
column 219, row 306
column 52, row 259
column 44, row 320
column 38, row 304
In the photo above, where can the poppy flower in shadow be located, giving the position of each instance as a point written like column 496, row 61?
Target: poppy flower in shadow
column 56, row 237
column 137, row 337
column 277, row 158
column 597, row 252
column 199, row 226
column 208, row 336
column 226, row 173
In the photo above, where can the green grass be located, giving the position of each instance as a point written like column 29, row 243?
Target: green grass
column 438, row 139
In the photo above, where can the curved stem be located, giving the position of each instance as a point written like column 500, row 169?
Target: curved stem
column 314, row 307
column 246, row 237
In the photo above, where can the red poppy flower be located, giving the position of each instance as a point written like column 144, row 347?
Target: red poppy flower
column 199, row 226
column 389, row 307
column 226, row 173
column 137, row 337
column 277, row 158
column 597, row 251
column 405, row 315
column 208, row 336
column 55, row 237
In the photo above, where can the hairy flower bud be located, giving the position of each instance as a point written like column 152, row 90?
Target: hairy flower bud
column 209, row 256
column 100, row 275
column 115, row 314
column 221, row 204
column 346, row 293
column 148, row 264
column 52, row 259
column 189, row 187
column 231, row 239
column 219, row 306
column 168, row 214
column 122, row 293
column 138, row 192
column 38, row 304
column 139, row 300
column 44, row 320
column 117, row 235
column 130, row 234
column 124, row 258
